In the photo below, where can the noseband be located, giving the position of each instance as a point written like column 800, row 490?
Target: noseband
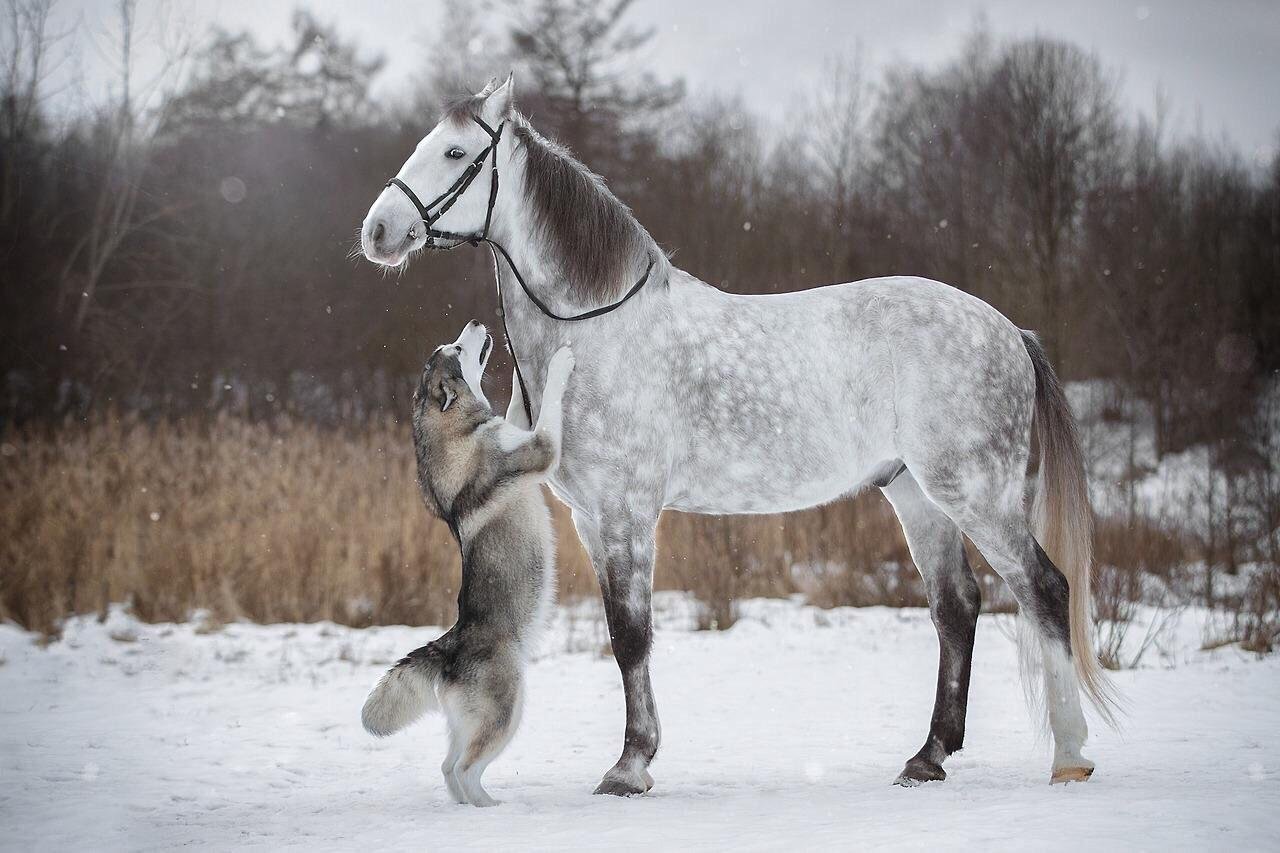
column 447, row 199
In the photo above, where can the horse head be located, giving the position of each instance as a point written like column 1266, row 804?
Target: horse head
column 451, row 167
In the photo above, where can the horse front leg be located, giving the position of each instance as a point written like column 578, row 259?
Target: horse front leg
column 622, row 550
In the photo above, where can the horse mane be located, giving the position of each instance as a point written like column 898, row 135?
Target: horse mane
column 601, row 248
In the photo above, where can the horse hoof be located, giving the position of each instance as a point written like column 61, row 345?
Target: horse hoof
column 917, row 772
column 619, row 788
column 1063, row 775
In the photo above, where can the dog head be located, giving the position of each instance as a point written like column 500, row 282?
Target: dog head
column 452, row 375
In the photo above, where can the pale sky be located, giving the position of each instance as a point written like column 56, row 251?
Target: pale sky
column 1218, row 62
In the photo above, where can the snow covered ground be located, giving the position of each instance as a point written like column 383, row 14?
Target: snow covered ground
column 783, row 731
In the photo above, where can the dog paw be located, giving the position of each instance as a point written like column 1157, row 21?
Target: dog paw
column 562, row 364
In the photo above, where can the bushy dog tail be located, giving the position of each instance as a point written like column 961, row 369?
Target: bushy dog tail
column 406, row 692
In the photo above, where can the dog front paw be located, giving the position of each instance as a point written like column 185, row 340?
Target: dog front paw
column 562, row 364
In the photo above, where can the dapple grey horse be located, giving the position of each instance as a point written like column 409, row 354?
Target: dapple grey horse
column 689, row 398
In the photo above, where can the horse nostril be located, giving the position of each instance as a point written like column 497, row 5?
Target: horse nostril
column 379, row 231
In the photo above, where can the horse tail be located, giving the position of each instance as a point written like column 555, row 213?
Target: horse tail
column 1063, row 521
column 405, row 693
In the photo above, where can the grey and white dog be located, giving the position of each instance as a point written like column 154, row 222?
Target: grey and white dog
column 481, row 476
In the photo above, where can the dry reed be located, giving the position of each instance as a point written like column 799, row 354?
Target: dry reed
column 288, row 521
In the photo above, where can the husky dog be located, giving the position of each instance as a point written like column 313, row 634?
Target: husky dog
column 481, row 475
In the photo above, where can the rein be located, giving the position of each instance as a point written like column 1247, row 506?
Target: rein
column 446, row 200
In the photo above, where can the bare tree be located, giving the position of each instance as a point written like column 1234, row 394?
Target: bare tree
column 463, row 55
column 27, row 45
column 318, row 80
column 836, row 129
column 127, row 134
column 938, row 183
column 582, row 59
column 1055, row 110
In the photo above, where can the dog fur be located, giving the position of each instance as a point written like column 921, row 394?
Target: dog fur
column 482, row 476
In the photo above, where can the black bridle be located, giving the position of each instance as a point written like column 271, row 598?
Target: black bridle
column 447, row 199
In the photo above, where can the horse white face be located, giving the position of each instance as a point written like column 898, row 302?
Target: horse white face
column 393, row 229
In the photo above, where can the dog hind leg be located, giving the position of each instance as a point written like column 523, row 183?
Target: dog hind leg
column 493, row 721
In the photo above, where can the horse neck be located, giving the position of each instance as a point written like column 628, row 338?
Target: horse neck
column 529, row 334
column 525, row 324
column 514, row 229
column 534, row 336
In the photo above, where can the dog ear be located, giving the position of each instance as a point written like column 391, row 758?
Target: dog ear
column 444, row 391
column 447, row 394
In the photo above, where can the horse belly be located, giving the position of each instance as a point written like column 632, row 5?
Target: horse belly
column 745, row 489
column 791, row 472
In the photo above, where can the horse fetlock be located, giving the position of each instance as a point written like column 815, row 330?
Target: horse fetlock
column 640, row 745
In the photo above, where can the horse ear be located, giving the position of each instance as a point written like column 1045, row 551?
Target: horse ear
column 497, row 101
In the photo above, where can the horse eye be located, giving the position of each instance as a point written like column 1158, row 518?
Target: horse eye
column 455, row 153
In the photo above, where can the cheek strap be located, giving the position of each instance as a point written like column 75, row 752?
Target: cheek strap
column 450, row 196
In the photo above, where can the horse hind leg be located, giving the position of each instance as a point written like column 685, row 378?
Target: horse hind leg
column 1000, row 530
column 937, row 548
column 1061, row 683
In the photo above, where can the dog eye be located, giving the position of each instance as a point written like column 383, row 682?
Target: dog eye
column 455, row 153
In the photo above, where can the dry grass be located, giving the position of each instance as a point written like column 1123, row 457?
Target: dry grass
column 270, row 523
column 287, row 521
column 1137, row 564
